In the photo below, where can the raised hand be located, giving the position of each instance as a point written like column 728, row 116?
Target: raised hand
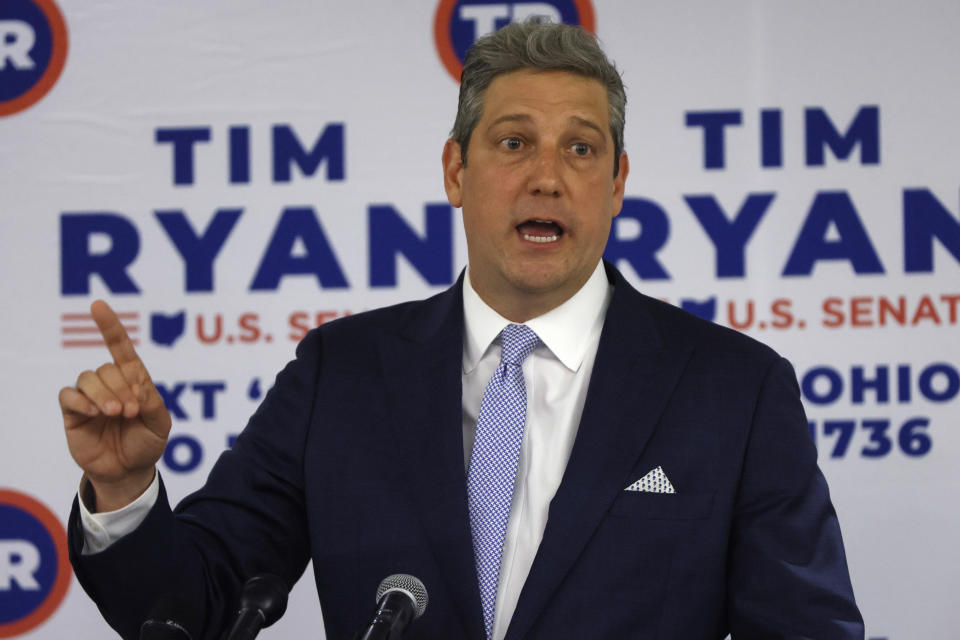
column 115, row 420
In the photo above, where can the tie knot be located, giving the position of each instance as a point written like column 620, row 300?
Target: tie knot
column 518, row 341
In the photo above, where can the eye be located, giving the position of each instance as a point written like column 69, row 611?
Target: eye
column 512, row 143
column 581, row 148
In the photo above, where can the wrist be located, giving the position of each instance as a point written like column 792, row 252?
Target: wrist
column 100, row 496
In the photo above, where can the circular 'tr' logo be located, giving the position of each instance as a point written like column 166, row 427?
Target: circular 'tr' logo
column 33, row 49
column 458, row 23
column 34, row 568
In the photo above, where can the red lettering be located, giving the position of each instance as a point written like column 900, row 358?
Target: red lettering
column 731, row 316
column 218, row 332
column 951, row 299
column 925, row 311
column 250, row 327
column 783, row 317
column 298, row 321
column 833, row 309
column 899, row 313
column 860, row 315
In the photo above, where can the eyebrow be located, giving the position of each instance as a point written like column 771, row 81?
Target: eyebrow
column 590, row 124
column 511, row 117
column 523, row 117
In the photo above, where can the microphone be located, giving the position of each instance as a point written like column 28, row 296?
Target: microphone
column 262, row 602
column 401, row 599
column 169, row 619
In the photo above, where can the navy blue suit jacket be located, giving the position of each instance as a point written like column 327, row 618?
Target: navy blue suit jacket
column 355, row 460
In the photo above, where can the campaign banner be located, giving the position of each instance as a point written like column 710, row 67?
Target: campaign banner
column 228, row 175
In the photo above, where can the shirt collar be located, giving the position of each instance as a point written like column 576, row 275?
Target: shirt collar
column 563, row 330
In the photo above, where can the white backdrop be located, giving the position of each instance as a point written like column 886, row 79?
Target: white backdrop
column 841, row 176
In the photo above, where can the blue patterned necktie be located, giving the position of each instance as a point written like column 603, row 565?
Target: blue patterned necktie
column 493, row 462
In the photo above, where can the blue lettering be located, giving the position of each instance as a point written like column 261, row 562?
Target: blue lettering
column 177, row 447
column 198, row 251
column 641, row 250
column 913, row 438
column 172, row 395
column 951, row 388
column 713, row 123
column 78, row 263
column 208, row 392
column 391, row 237
column 287, row 150
column 171, row 398
column 809, row 385
column 278, row 259
column 903, row 383
column 880, row 384
column 845, row 429
column 730, row 237
column 878, row 436
column 812, row 245
column 771, row 138
column 239, row 137
column 183, row 140
column 924, row 219
column 864, row 130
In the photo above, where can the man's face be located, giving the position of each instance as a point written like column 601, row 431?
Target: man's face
column 537, row 191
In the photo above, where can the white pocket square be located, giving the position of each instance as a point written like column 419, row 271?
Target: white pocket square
column 655, row 481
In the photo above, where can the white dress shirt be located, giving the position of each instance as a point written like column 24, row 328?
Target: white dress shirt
column 556, row 375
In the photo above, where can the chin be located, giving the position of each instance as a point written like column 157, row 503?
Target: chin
column 538, row 281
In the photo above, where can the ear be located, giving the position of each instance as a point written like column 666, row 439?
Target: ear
column 619, row 183
column 453, row 172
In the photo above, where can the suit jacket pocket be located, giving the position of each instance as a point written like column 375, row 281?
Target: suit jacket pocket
column 662, row 506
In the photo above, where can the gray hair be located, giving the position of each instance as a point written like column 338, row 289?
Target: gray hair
column 540, row 46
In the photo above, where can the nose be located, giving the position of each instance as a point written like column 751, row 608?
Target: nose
column 545, row 177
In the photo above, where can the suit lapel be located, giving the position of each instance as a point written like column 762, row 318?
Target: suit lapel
column 423, row 377
column 632, row 363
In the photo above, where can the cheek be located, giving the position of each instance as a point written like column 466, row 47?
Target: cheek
column 597, row 230
column 477, row 226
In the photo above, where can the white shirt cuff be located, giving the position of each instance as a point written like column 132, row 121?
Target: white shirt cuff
column 100, row 530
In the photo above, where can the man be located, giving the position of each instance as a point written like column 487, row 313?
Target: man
column 627, row 471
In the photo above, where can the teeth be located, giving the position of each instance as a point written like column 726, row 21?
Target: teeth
column 527, row 236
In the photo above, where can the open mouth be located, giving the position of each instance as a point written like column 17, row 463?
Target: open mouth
column 541, row 231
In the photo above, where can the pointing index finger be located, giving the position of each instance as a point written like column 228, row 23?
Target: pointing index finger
column 114, row 335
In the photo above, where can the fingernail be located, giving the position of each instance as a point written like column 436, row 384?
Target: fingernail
column 112, row 406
